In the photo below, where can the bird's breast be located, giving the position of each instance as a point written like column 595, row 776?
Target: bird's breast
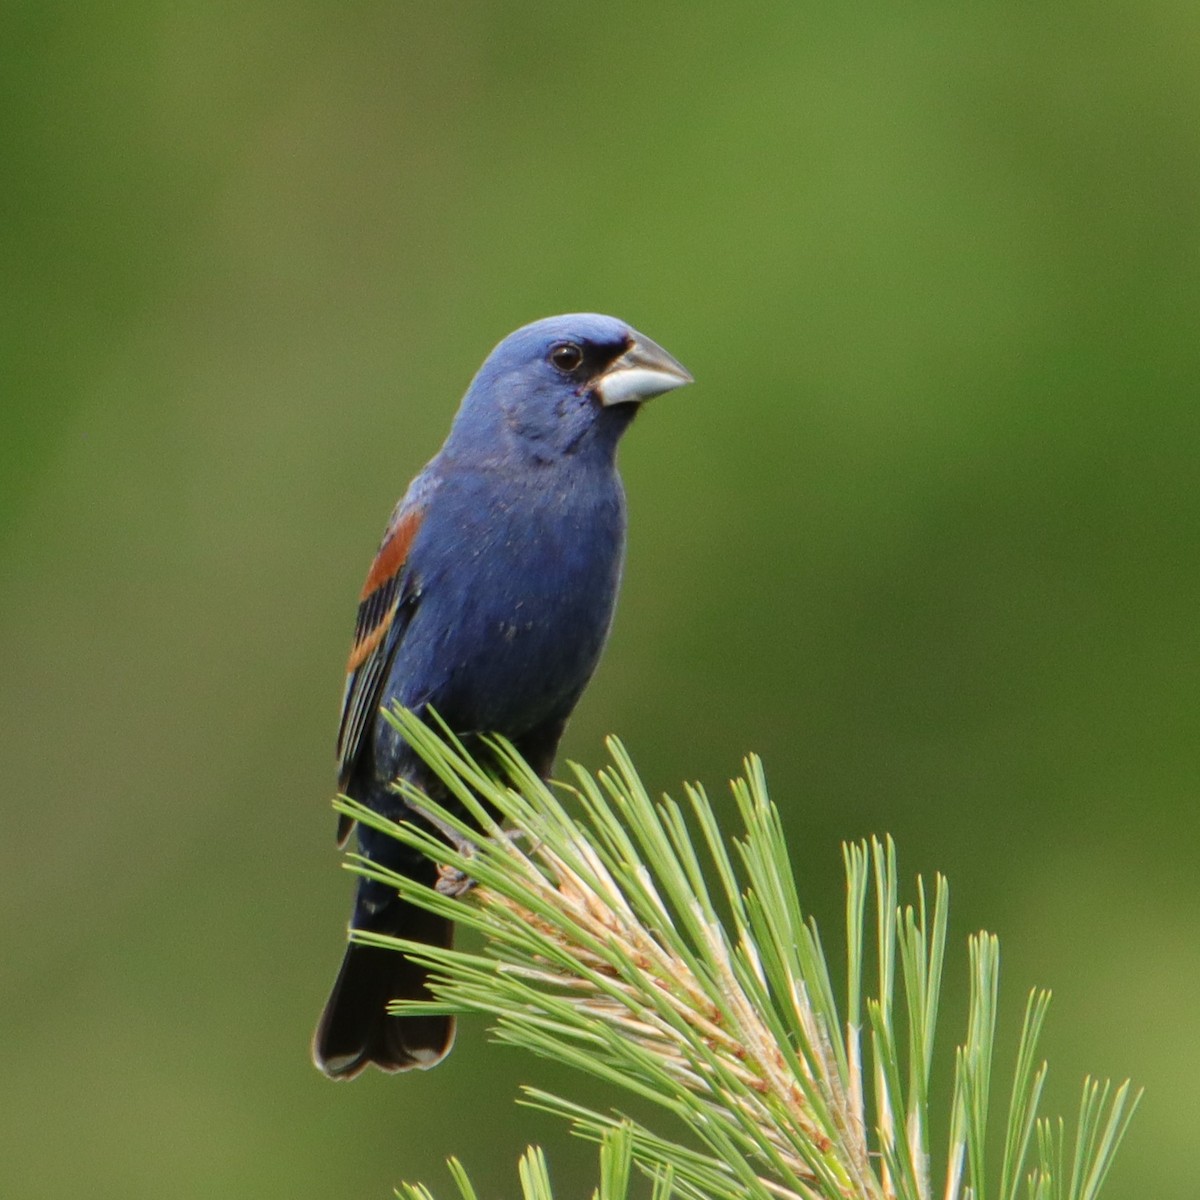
column 517, row 597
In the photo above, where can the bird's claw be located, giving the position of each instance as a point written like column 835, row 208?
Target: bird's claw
column 454, row 881
column 451, row 881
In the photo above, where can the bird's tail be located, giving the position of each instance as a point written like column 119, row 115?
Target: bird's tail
column 356, row 1029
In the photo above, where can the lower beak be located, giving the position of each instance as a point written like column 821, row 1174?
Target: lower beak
column 645, row 370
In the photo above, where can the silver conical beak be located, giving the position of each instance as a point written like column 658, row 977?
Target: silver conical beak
column 643, row 371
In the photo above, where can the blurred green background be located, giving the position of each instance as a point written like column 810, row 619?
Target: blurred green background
column 924, row 533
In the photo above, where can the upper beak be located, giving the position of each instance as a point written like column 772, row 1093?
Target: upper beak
column 643, row 371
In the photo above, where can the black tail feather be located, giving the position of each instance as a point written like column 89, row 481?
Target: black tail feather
column 356, row 1029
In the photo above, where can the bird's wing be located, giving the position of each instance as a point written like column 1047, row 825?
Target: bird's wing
column 384, row 609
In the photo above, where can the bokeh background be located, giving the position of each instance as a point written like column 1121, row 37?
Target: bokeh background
column 924, row 533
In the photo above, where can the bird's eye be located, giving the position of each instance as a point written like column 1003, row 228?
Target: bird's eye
column 566, row 357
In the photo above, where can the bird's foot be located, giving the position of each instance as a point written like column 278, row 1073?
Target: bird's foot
column 451, row 881
column 450, row 834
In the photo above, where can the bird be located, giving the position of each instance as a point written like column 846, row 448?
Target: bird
column 488, row 603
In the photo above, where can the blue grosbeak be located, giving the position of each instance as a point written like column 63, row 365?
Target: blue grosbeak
column 489, row 601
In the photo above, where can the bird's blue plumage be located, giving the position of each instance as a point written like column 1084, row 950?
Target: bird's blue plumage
column 514, row 581
column 490, row 601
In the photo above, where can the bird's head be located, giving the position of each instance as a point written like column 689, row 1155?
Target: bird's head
column 567, row 385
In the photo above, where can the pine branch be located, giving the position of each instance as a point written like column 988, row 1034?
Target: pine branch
column 605, row 948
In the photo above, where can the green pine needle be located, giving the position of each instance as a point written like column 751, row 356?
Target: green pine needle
column 605, row 949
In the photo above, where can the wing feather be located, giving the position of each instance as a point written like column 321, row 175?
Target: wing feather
column 377, row 632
